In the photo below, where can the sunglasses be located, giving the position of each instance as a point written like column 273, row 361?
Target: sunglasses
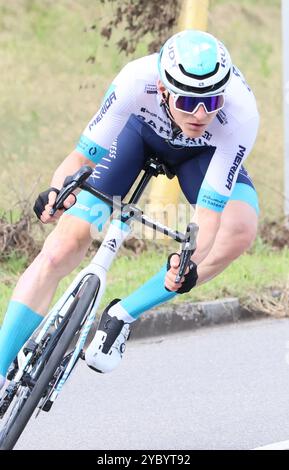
column 190, row 104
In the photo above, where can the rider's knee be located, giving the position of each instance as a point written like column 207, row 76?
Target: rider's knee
column 56, row 251
column 243, row 234
column 64, row 249
column 239, row 224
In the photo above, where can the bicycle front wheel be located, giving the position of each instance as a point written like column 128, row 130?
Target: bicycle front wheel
column 84, row 300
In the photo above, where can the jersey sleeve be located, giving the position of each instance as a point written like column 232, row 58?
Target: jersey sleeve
column 118, row 104
column 225, row 165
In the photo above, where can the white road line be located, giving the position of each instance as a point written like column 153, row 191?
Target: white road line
column 283, row 445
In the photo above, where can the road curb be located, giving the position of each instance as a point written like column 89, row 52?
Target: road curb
column 174, row 318
column 188, row 316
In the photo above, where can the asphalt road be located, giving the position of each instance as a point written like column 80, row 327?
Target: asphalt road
column 224, row 387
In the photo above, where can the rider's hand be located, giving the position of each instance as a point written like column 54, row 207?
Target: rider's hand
column 188, row 281
column 170, row 284
column 45, row 202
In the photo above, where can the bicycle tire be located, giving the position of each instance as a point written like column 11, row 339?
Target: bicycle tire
column 87, row 293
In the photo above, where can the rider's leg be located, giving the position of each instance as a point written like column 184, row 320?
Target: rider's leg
column 62, row 251
column 234, row 237
column 149, row 295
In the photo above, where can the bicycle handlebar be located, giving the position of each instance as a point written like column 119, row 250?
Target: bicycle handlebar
column 188, row 249
column 128, row 212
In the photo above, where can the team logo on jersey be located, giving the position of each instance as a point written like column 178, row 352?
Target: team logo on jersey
column 103, row 110
column 237, row 162
column 151, row 89
column 92, row 151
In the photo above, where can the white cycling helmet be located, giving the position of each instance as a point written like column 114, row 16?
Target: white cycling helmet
column 194, row 63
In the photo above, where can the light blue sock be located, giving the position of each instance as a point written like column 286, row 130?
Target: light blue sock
column 149, row 295
column 19, row 323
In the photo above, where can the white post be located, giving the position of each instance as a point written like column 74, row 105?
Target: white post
column 285, row 23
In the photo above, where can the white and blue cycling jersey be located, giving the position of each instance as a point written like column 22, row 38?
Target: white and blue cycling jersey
column 132, row 125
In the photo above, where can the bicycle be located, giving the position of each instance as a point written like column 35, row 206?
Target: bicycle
column 47, row 359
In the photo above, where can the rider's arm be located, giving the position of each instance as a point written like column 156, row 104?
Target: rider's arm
column 219, row 183
column 46, row 199
column 97, row 137
column 69, row 166
column 208, row 222
column 118, row 104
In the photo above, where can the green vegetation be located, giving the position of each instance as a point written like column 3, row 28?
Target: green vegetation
column 253, row 273
column 48, row 89
column 51, row 85
column 55, row 68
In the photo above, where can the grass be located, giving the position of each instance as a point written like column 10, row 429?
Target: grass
column 49, row 91
column 251, row 273
column 254, row 272
column 10, row 270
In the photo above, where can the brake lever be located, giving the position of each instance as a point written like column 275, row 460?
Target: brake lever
column 188, row 249
column 70, row 184
column 62, row 195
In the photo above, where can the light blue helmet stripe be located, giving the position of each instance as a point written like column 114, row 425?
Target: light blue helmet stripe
column 197, row 52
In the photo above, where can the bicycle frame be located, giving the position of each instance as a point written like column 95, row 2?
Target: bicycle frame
column 116, row 234
column 118, row 231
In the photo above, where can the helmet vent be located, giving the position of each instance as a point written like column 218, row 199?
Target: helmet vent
column 199, row 77
column 196, row 90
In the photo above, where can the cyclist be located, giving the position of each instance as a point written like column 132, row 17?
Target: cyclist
column 193, row 108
